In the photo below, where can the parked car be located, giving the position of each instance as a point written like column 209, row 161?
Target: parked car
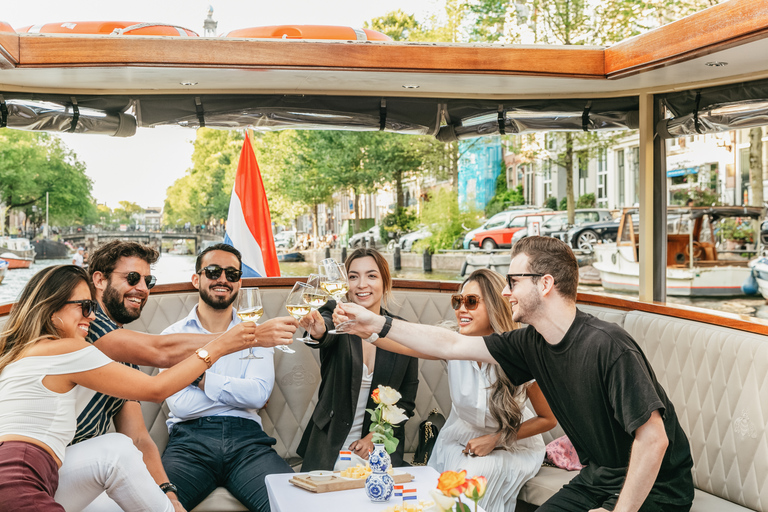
column 558, row 224
column 285, row 239
column 499, row 220
column 407, row 240
column 502, row 236
column 373, row 235
column 584, row 237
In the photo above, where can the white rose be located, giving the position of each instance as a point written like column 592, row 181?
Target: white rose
column 389, row 396
column 393, row 415
column 442, row 501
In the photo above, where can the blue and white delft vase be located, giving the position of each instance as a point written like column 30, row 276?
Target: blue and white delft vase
column 379, row 486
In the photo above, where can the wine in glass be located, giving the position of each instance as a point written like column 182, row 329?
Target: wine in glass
column 337, row 286
column 315, row 296
column 249, row 309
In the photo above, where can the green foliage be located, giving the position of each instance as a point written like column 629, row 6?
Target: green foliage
column 204, row 192
column 701, row 197
column 402, row 220
column 736, row 229
column 396, row 24
column 551, row 203
column 563, row 204
column 587, row 201
column 441, row 213
column 32, row 164
column 504, row 197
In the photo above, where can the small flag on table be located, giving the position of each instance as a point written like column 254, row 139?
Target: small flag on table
column 399, row 491
column 408, row 495
column 347, row 456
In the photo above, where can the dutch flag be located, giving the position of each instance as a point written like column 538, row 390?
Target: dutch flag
column 249, row 225
column 345, row 455
column 409, row 494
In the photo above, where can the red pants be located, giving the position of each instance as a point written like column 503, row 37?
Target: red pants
column 29, row 477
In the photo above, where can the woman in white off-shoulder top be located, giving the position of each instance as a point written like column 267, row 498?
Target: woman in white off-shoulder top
column 43, row 357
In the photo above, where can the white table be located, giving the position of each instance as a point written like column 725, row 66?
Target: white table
column 286, row 497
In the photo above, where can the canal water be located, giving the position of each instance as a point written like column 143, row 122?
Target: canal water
column 172, row 268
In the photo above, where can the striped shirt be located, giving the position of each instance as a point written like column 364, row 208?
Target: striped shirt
column 95, row 419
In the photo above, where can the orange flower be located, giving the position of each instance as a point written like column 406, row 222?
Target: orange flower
column 476, row 487
column 452, row 483
column 375, row 396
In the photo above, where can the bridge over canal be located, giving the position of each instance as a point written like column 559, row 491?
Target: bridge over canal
column 92, row 239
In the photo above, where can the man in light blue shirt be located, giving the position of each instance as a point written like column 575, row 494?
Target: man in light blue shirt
column 216, row 436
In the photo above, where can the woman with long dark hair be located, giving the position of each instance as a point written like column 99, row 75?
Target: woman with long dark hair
column 490, row 430
column 351, row 369
column 43, row 357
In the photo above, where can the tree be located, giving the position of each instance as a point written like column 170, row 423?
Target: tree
column 203, row 194
column 396, row 24
column 32, row 164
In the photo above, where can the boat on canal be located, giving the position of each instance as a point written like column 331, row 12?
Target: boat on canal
column 3, row 269
column 701, row 262
column 703, row 74
column 18, row 252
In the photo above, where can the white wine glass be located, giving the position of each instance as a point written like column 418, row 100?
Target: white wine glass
column 316, row 297
column 249, row 309
column 337, row 287
column 296, row 305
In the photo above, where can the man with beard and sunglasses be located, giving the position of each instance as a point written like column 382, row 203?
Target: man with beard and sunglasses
column 216, row 437
column 121, row 276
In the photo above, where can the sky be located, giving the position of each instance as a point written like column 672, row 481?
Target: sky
column 139, row 169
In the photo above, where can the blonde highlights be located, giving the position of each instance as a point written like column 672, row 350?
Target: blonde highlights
column 503, row 404
column 31, row 318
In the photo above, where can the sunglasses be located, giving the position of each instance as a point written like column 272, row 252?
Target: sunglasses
column 133, row 279
column 88, row 306
column 511, row 284
column 213, row 272
column 470, row 301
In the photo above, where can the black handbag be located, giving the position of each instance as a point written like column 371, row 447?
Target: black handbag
column 428, row 431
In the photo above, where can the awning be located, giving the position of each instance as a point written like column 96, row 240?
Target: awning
column 682, row 172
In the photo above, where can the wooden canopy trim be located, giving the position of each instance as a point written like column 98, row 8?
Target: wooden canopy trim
column 9, row 50
column 739, row 322
column 39, row 50
column 715, row 29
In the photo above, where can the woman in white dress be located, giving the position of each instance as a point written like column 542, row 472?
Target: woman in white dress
column 490, row 431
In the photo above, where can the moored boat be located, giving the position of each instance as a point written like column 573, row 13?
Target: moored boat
column 294, row 257
column 16, row 261
column 717, row 269
column 50, row 249
column 3, row 269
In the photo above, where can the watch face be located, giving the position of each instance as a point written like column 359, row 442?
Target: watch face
column 202, row 353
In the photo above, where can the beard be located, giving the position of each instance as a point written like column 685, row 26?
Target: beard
column 217, row 302
column 527, row 308
column 115, row 305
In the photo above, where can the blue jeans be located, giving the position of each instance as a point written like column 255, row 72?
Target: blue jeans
column 222, row 451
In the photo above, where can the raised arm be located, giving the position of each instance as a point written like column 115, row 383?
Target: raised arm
column 166, row 350
column 432, row 341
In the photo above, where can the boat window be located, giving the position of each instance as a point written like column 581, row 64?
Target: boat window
column 706, row 231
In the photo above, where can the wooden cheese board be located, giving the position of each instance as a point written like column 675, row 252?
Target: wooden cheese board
column 336, row 483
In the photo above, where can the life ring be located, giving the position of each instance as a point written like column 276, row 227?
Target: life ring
column 4, row 27
column 309, row 32
column 116, row 28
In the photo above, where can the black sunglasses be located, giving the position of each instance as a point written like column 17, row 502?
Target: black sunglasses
column 511, row 283
column 213, row 272
column 470, row 301
column 89, row 306
column 133, row 279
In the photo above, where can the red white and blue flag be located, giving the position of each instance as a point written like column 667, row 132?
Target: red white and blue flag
column 409, row 494
column 249, row 225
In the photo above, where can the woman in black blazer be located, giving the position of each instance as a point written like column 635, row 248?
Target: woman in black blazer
column 339, row 420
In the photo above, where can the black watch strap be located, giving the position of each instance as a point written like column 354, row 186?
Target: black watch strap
column 169, row 487
column 387, row 326
column 195, row 383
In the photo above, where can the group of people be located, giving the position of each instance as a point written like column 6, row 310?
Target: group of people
column 60, row 388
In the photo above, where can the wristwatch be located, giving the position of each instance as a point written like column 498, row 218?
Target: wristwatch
column 203, row 354
column 384, row 330
column 169, row 487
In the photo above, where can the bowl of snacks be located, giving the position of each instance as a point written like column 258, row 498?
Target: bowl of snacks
column 320, row 476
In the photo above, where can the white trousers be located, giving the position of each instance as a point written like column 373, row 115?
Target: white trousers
column 110, row 463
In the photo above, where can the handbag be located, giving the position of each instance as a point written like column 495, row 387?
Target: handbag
column 428, row 431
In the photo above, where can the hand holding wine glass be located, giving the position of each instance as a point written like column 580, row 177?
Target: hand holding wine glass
column 336, row 285
column 315, row 296
column 249, row 309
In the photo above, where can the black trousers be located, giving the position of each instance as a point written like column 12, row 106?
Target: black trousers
column 222, row 451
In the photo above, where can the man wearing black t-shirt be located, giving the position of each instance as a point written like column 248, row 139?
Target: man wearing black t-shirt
column 594, row 376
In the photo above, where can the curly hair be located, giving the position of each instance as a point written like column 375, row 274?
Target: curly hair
column 504, row 403
column 105, row 258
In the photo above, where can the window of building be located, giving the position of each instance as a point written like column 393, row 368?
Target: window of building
column 634, row 169
column 602, row 178
column 583, row 171
column 547, row 168
column 620, row 175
